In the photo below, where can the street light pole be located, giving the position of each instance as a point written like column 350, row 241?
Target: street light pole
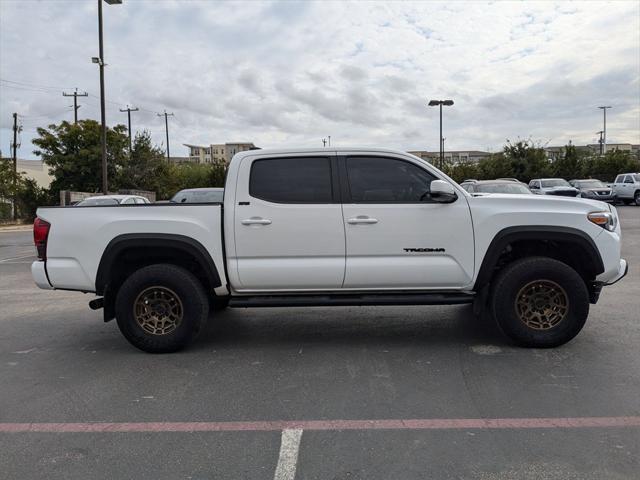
column 604, row 135
column 103, row 115
column 441, row 144
column 440, row 103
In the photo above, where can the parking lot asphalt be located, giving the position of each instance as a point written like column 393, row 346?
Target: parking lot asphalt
column 323, row 375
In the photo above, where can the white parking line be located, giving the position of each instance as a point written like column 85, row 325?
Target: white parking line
column 16, row 258
column 288, row 459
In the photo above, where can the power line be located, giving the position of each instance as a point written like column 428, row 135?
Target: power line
column 75, row 96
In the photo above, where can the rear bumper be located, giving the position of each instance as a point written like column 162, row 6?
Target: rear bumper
column 39, row 275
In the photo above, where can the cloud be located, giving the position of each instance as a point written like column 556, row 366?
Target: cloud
column 290, row 73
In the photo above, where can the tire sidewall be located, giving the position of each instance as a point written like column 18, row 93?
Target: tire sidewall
column 521, row 273
column 184, row 285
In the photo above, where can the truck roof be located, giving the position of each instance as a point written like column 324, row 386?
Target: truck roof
column 276, row 151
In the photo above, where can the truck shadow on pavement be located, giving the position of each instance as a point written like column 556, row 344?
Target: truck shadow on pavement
column 349, row 325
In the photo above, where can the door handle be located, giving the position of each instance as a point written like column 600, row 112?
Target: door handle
column 256, row 221
column 362, row 219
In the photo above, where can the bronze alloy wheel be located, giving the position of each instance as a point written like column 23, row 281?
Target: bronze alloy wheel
column 542, row 304
column 158, row 310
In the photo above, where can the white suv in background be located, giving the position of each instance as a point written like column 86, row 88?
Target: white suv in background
column 627, row 188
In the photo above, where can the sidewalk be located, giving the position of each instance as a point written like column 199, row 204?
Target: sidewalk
column 16, row 228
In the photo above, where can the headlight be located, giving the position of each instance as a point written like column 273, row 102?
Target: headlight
column 603, row 219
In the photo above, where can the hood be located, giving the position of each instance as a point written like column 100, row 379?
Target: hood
column 540, row 202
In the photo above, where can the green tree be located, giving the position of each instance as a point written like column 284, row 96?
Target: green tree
column 30, row 197
column 494, row 166
column 7, row 176
column 74, row 157
column 608, row 166
column 570, row 163
column 147, row 169
column 527, row 160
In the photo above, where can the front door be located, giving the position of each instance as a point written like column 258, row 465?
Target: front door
column 397, row 237
column 289, row 233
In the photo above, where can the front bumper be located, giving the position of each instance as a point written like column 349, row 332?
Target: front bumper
column 602, row 198
column 39, row 275
column 622, row 271
column 596, row 287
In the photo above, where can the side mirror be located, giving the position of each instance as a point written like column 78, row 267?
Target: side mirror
column 442, row 192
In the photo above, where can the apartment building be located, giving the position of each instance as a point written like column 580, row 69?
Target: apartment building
column 452, row 157
column 556, row 152
column 217, row 153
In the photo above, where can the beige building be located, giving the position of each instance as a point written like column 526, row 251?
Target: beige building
column 216, row 153
column 35, row 169
column 453, row 156
column 554, row 153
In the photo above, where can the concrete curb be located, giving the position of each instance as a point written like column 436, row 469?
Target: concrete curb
column 15, row 228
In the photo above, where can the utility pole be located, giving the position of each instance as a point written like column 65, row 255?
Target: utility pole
column 103, row 115
column 604, row 135
column 75, row 96
column 166, row 127
column 129, row 110
column 329, row 140
column 15, row 165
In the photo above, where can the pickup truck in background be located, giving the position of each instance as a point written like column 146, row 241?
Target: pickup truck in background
column 626, row 188
column 334, row 227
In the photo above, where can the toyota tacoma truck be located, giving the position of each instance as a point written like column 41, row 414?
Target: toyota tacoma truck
column 334, row 227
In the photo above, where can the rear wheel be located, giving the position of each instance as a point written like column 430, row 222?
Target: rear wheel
column 161, row 308
column 636, row 198
column 540, row 302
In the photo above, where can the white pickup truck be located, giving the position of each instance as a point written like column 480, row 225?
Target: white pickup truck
column 334, row 227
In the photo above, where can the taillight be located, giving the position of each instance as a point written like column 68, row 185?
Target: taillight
column 40, row 234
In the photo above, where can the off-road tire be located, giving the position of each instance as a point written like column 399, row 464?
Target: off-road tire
column 514, row 290
column 180, row 283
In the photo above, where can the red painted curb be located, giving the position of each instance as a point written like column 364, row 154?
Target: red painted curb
column 277, row 425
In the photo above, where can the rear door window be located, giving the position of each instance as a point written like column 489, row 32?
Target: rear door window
column 292, row 180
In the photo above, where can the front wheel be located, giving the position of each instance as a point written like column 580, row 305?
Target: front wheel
column 540, row 302
column 636, row 199
column 161, row 308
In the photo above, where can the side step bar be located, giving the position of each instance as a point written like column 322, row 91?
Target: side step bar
column 346, row 299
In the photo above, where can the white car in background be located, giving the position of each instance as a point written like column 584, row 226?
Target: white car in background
column 626, row 188
column 111, row 200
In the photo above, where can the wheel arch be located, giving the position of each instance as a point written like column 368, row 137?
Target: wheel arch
column 128, row 252
column 578, row 249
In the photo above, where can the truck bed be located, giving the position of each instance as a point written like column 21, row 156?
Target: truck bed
column 79, row 236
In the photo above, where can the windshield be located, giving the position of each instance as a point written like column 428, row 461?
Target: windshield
column 555, row 182
column 92, row 202
column 198, row 196
column 590, row 184
column 516, row 188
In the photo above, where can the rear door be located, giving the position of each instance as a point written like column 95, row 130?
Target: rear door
column 288, row 228
column 397, row 237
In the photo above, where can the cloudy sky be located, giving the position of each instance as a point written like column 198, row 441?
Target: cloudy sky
column 291, row 73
